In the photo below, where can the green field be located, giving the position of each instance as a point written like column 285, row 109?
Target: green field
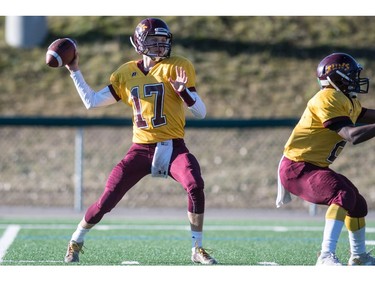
column 159, row 249
column 167, row 242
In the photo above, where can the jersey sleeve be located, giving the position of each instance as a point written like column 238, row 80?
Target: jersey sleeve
column 120, row 77
column 114, row 83
column 327, row 107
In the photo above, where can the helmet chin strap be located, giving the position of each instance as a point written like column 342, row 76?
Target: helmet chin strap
column 154, row 58
column 350, row 94
column 333, row 84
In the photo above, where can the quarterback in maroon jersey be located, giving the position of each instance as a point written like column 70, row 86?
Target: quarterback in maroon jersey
column 329, row 121
column 157, row 88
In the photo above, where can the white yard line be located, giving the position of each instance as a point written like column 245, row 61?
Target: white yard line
column 105, row 227
column 7, row 239
column 31, row 261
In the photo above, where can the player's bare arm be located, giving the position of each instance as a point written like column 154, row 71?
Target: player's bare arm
column 357, row 134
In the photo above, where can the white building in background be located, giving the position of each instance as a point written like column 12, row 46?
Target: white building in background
column 25, row 31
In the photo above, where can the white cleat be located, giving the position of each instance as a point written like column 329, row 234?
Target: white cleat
column 199, row 255
column 328, row 258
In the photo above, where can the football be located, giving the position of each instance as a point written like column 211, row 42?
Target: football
column 61, row 52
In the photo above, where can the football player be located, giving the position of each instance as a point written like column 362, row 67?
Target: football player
column 157, row 88
column 333, row 117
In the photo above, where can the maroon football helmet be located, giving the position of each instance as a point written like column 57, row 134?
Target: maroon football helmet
column 152, row 27
column 342, row 72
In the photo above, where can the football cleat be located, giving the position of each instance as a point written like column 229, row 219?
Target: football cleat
column 200, row 255
column 362, row 259
column 328, row 258
column 72, row 254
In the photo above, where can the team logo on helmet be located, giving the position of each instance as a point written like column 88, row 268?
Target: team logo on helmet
column 342, row 66
column 141, row 27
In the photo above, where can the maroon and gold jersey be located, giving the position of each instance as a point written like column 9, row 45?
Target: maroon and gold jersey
column 158, row 112
column 310, row 140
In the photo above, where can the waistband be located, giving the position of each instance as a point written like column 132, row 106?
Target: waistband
column 176, row 142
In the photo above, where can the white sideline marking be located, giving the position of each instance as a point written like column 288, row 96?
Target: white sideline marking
column 105, row 227
column 370, row 242
column 31, row 261
column 129, row 262
column 7, row 239
column 267, row 263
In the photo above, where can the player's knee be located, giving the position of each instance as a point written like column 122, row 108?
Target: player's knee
column 346, row 199
column 97, row 211
column 360, row 208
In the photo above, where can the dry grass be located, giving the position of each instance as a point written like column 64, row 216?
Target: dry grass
column 246, row 66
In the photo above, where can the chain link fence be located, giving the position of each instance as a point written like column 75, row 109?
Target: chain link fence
column 239, row 165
